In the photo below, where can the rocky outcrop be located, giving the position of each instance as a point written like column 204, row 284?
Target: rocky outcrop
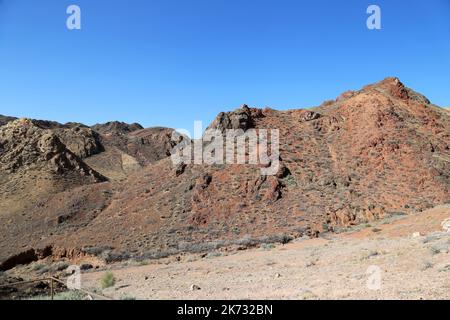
column 309, row 116
column 241, row 118
column 81, row 140
column 146, row 145
column 24, row 146
column 116, row 128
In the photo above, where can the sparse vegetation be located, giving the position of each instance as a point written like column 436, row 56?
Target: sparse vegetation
column 213, row 254
column 38, row 266
column 426, row 265
column 370, row 254
column 43, row 269
column 67, row 295
column 267, row 246
column 108, row 280
column 59, row 266
column 327, row 180
column 435, row 250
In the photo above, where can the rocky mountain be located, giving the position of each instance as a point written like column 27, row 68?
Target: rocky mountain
column 45, row 163
column 379, row 151
column 27, row 146
column 116, row 128
column 4, row 119
column 127, row 151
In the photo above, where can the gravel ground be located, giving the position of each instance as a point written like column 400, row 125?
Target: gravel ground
column 386, row 261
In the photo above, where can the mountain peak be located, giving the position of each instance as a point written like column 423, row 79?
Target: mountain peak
column 395, row 88
column 116, row 127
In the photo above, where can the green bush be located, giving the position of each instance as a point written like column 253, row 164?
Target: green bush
column 108, row 280
column 67, row 295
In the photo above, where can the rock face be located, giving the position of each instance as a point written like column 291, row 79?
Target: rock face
column 370, row 153
column 79, row 139
column 124, row 153
column 242, row 118
column 150, row 145
column 82, row 141
column 48, row 184
column 116, row 128
column 24, row 146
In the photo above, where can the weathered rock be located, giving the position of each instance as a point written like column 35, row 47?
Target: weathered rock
column 204, row 181
column 26, row 146
column 309, row 116
column 116, row 128
column 195, row 287
column 82, row 141
column 179, row 169
column 238, row 119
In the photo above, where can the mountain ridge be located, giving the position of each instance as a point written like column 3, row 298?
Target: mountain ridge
column 379, row 151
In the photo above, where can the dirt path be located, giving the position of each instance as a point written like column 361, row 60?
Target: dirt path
column 410, row 267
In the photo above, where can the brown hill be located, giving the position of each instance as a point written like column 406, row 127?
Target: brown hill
column 379, row 151
column 116, row 128
column 4, row 119
column 34, row 165
column 128, row 150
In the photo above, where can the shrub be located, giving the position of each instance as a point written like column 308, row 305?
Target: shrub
column 96, row 251
column 114, row 256
column 108, row 280
column 38, row 266
column 67, row 295
column 70, row 295
column 60, row 266
column 267, row 246
column 44, row 269
column 213, row 254
column 435, row 250
column 286, row 239
column 426, row 265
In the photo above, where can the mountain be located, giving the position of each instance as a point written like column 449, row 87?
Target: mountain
column 50, row 181
column 128, row 151
column 116, row 128
column 379, row 151
column 4, row 119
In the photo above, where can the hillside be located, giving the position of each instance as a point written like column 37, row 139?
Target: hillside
column 373, row 153
column 334, row 266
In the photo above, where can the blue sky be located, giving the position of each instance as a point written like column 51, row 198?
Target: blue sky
column 167, row 62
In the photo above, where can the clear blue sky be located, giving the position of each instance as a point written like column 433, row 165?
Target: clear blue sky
column 167, row 62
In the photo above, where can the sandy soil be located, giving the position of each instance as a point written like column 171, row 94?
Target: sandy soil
column 343, row 266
